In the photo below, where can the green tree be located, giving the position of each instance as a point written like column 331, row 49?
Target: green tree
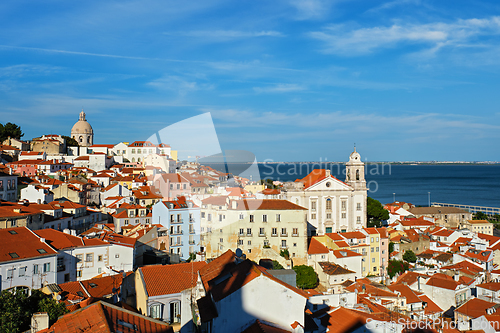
column 396, row 267
column 14, row 312
column 70, row 142
column 410, row 256
column 306, row 277
column 375, row 213
column 285, row 254
column 277, row 265
column 10, row 130
column 480, row 216
column 17, row 308
column 391, row 247
column 53, row 308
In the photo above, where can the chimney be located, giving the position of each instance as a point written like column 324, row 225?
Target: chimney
column 456, row 276
column 39, row 321
column 328, row 172
column 42, row 240
column 418, row 281
column 234, row 204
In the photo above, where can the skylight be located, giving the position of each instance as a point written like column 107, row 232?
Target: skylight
column 12, row 232
column 13, row 255
column 41, row 251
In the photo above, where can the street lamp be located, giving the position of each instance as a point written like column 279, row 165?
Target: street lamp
column 429, row 195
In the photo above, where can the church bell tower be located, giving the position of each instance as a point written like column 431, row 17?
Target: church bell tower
column 355, row 171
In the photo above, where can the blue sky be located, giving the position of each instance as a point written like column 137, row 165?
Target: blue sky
column 287, row 80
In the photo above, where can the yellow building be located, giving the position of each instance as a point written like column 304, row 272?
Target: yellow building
column 482, row 226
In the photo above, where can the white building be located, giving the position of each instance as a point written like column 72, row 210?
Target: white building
column 334, row 206
column 27, row 261
column 36, row 193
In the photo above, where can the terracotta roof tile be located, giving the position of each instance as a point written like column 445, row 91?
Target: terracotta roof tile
column 315, row 247
column 21, row 243
column 179, row 276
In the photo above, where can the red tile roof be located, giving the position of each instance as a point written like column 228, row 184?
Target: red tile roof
column 431, row 307
column 314, row 177
column 101, row 317
column 259, row 327
column 406, row 292
column 475, row 308
column 103, row 286
column 21, row 243
column 494, row 286
column 179, row 276
column 315, row 247
column 267, row 204
column 345, row 253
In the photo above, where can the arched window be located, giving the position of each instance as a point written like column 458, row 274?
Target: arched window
column 357, row 174
column 133, row 160
column 81, row 138
column 88, row 139
column 155, row 311
column 328, row 204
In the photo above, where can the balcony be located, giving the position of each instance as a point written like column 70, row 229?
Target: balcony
column 284, row 234
column 180, row 232
column 249, row 234
column 274, row 235
column 192, row 231
column 176, row 221
column 192, row 242
column 262, row 234
column 191, row 220
column 295, row 235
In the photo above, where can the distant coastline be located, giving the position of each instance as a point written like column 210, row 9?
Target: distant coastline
column 379, row 162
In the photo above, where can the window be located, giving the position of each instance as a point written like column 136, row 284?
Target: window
column 295, row 231
column 283, row 243
column 278, row 217
column 328, row 216
column 377, row 250
column 79, row 257
column 261, row 232
column 209, row 217
column 328, row 204
column 155, row 311
column 274, row 231
column 10, row 273
column 375, row 268
column 241, row 216
column 251, row 218
column 373, row 249
column 264, row 218
column 89, row 257
column 46, row 267
column 202, row 215
column 249, row 231
column 283, row 231
column 22, row 271
column 313, row 205
column 358, row 206
column 99, row 258
column 344, row 204
column 358, row 219
column 240, row 241
column 126, row 222
column 220, row 218
column 328, row 230
column 371, row 239
column 117, row 256
column 344, row 215
column 373, row 259
column 249, row 242
column 242, row 231
column 313, row 216
column 377, row 239
column 99, row 270
column 221, row 240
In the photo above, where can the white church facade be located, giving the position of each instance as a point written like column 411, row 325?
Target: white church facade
column 333, row 205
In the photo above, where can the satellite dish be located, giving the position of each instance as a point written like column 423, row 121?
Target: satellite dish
column 239, row 252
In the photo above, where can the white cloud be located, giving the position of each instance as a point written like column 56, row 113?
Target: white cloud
column 178, row 84
column 311, row 9
column 340, row 40
column 226, row 34
column 280, row 88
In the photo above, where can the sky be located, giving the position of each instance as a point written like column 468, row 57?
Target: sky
column 288, row 80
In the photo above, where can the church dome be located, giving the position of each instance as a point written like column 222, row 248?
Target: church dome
column 82, row 126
